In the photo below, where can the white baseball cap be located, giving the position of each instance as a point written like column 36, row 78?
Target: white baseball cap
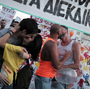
column 18, row 19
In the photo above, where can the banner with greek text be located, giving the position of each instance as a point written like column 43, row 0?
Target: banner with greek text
column 8, row 15
column 74, row 14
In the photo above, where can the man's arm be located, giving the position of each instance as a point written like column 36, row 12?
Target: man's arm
column 76, row 56
column 53, row 51
column 5, row 37
column 4, row 31
column 3, row 78
column 3, row 40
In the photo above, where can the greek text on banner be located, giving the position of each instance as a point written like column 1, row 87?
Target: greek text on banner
column 74, row 14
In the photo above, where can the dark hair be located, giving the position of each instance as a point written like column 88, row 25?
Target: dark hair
column 34, row 47
column 30, row 25
column 64, row 27
column 3, row 20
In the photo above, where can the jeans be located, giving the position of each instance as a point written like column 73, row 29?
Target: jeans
column 42, row 82
column 6, row 87
column 56, row 85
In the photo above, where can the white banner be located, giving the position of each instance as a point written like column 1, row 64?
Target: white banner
column 8, row 15
column 75, row 14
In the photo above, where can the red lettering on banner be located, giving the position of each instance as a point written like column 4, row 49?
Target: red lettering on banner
column 37, row 19
column 41, row 20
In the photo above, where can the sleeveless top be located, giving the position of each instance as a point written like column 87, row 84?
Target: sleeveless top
column 46, row 69
column 63, row 49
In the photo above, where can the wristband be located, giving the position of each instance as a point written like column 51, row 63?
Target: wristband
column 13, row 30
column 29, row 56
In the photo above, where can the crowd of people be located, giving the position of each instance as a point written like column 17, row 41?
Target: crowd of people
column 22, row 41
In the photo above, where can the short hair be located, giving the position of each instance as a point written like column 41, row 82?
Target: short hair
column 54, row 28
column 65, row 27
column 3, row 20
column 30, row 25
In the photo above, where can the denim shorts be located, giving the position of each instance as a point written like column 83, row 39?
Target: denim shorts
column 42, row 82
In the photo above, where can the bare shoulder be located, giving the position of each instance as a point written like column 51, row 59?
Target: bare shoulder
column 75, row 45
column 51, row 46
column 48, row 50
column 50, row 43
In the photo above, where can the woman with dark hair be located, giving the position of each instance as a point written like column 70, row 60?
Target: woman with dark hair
column 34, row 47
column 12, row 53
